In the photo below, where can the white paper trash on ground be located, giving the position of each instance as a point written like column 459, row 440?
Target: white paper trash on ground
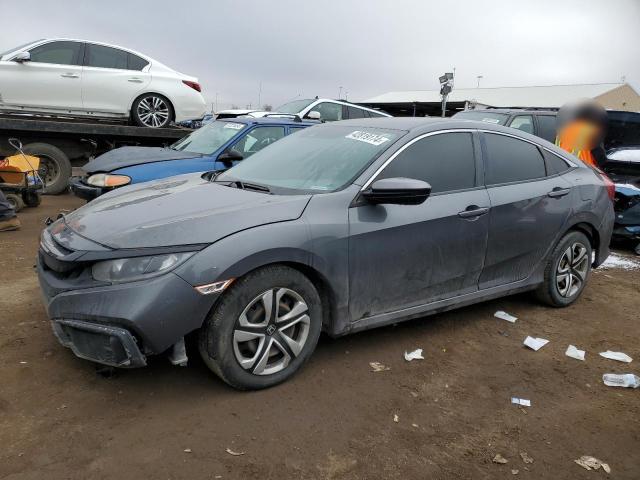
column 619, row 356
column 415, row 355
column 592, row 463
column 625, row 380
column 535, row 343
column 521, row 401
column 505, row 316
column 573, row 352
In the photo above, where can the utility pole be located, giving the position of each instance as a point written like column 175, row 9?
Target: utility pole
column 216, row 110
column 260, row 94
column 479, row 77
column 339, row 93
column 446, row 82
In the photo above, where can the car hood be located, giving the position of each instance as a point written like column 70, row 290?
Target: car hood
column 181, row 210
column 129, row 156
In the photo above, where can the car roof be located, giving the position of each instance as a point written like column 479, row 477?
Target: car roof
column 268, row 121
column 510, row 111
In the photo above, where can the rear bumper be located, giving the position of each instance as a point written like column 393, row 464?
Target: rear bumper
column 84, row 191
column 189, row 105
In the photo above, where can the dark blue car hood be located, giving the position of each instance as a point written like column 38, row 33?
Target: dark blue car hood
column 129, row 156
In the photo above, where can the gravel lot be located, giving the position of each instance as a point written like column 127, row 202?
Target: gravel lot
column 334, row 420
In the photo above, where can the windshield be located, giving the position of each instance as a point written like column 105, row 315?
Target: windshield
column 487, row 117
column 209, row 138
column 294, row 107
column 317, row 159
column 20, row 47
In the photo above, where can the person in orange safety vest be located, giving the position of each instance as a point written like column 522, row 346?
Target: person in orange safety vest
column 582, row 127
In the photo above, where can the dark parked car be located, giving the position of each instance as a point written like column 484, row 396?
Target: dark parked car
column 341, row 227
column 623, row 166
column 624, row 127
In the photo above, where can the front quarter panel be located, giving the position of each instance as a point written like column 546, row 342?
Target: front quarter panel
column 154, row 171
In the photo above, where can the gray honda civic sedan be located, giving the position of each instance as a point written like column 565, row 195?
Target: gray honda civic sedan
column 338, row 228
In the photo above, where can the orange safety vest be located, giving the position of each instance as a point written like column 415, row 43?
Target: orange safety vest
column 578, row 138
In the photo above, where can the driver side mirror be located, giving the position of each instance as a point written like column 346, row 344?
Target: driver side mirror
column 22, row 57
column 313, row 115
column 229, row 156
column 397, row 191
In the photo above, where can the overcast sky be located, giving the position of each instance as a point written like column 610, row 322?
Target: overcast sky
column 368, row 47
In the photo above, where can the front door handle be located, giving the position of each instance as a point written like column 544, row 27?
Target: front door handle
column 473, row 211
column 70, row 75
column 134, row 80
column 558, row 192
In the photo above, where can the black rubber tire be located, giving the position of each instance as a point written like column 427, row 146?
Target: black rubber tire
column 548, row 291
column 61, row 161
column 135, row 119
column 15, row 201
column 31, row 199
column 216, row 335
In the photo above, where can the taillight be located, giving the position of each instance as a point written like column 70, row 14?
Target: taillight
column 194, row 85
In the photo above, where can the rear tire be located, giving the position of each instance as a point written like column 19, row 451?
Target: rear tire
column 55, row 167
column 264, row 328
column 567, row 271
column 152, row 110
column 31, row 199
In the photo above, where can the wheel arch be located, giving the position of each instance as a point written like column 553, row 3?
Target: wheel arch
column 592, row 234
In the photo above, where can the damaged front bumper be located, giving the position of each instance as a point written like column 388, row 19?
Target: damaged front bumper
column 112, row 346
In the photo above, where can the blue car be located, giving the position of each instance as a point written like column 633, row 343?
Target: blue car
column 219, row 145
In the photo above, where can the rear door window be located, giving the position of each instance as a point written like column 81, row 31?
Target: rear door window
column 135, row 62
column 59, row 53
column 354, row 112
column 511, row 160
column 547, row 127
column 106, row 57
column 446, row 161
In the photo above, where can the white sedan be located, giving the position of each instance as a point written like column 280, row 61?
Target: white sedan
column 90, row 79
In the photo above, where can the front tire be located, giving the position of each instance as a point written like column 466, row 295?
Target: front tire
column 567, row 270
column 152, row 110
column 264, row 328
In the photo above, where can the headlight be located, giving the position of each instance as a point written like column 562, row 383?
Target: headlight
column 131, row 269
column 108, row 180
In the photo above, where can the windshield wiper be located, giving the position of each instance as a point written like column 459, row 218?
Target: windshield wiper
column 252, row 186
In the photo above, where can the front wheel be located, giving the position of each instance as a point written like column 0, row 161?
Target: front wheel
column 152, row 110
column 567, row 270
column 264, row 328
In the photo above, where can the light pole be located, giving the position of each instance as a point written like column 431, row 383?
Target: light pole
column 479, row 77
column 446, row 82
column 339, row 93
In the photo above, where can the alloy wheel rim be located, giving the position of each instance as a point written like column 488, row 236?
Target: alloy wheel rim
column 572, row 270
column 153, row 111
column 271, row 331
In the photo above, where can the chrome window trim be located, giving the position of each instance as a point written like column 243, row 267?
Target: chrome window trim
column 407, row 145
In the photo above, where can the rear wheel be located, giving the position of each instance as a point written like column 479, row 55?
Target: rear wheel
column 264, row 328
column 567, row 270
column 152, row 110
column 31, row 198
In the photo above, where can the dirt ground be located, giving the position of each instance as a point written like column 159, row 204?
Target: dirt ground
column 335, row 419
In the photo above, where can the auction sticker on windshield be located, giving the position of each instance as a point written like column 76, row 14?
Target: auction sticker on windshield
column 371, row 138
column 235, row 126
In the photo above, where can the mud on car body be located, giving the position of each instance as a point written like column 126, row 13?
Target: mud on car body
column 297, row 239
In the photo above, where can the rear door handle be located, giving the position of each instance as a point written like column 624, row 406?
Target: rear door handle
column 558, row 192
column 134, row 80
column 473, row 211
column 70, row 75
